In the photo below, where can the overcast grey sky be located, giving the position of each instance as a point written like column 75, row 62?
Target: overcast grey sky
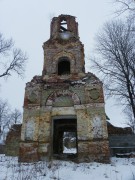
column 28, row 23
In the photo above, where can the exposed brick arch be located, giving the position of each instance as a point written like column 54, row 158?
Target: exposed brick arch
column 67, row 55
column 59, row 93
column 63, row 66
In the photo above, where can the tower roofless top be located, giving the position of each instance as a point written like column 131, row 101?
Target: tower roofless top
column 62, row 24
column 64, row 15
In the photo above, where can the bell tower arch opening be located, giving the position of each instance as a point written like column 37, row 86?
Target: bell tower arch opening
column 63, row 25
column 63, row 66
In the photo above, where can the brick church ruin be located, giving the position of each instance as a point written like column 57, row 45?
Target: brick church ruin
column 64, row 100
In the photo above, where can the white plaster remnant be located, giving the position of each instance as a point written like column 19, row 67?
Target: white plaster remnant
column 30, row 126
column 97, row 127
column 44, row 147
column 97, row 105
column 78, row 82
column 63, row 111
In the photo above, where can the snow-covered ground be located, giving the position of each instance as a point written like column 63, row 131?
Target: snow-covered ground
column 118, row 169
column 70, row 150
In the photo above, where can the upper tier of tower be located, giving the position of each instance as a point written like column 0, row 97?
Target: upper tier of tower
column 63, row 52
column 64, row 26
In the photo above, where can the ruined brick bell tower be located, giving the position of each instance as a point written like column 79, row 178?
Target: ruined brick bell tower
column 64, row 100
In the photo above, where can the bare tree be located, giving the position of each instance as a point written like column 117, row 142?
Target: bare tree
column 116, row 48
column 130, row 118
column 126, row 6
column 8, row 118
column 4, row 117
column 16, row 116
column 12, row 60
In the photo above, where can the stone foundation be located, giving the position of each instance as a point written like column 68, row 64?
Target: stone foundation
column 89, row 151
column 28, row 152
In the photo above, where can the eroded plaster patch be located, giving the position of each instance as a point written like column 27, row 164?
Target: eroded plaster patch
column 29, row 130
column 97, row 127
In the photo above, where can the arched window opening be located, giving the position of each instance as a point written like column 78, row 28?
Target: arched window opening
column 63, row 26
column 63, row 67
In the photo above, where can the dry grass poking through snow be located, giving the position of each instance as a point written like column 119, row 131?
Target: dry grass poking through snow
column 118, row 169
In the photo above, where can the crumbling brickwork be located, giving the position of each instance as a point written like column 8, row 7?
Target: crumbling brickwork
column 13, row 140
column 64, row 98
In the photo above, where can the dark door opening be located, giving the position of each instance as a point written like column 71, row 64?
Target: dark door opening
column 63, row 67
column 65, row 137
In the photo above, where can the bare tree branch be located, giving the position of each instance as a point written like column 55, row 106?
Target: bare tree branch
column 16, row 116
column 5, row 45
column 126, row 6
column 116, row 48
column 8, row 117
column 4, row 116
column 12, row 60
